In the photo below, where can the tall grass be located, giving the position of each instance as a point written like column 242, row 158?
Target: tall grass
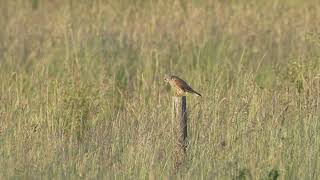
column 82, row 92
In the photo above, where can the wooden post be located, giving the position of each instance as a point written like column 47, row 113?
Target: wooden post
column 180, row 129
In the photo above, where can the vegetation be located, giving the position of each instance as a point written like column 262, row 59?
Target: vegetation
column 82, row 92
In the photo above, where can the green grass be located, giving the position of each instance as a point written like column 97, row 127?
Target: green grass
column 82, row 92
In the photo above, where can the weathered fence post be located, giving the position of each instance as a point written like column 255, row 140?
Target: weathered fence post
column 180, row 129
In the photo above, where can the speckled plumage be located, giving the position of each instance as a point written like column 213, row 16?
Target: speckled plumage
column 180, row 86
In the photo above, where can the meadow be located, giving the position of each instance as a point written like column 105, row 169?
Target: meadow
column 82, row 94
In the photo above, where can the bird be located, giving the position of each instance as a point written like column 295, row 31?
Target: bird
column 180, row 86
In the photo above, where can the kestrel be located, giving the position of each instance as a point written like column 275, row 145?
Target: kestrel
column 180, row 86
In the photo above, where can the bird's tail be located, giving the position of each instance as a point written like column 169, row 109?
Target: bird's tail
column 193, row 91
column 198, row 94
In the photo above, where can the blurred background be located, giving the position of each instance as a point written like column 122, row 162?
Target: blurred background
column 82, row 91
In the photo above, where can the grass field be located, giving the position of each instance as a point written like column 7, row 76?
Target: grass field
column 82, row 94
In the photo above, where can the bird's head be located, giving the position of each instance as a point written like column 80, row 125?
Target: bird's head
column 167, row 78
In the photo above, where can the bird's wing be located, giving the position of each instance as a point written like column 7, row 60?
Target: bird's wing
column 181, row 84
